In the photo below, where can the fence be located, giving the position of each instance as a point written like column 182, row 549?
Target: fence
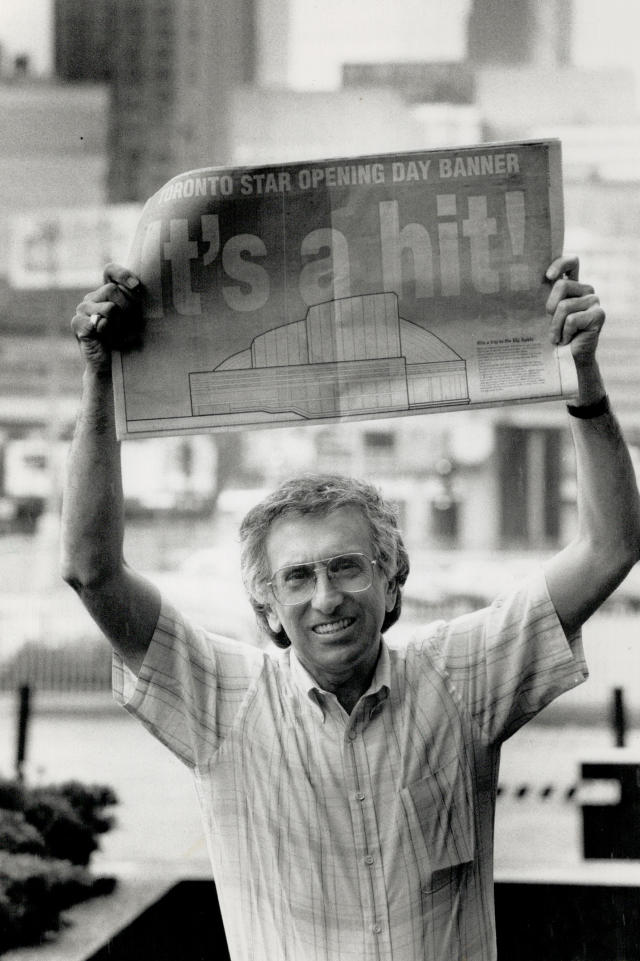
column 81, row 666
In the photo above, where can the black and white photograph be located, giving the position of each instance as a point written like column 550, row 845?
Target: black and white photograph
column 319, row 480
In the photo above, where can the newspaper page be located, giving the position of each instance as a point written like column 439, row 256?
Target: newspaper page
column 360, row 287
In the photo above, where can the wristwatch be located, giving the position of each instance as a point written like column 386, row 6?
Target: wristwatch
column 587, row 411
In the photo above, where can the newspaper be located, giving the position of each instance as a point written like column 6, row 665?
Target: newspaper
column 361, row 287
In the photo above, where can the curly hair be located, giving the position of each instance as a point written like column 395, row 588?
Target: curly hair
column 320, row 494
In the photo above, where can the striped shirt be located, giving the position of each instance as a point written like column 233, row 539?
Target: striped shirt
column 362, row 837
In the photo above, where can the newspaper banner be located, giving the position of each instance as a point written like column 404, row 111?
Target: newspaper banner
column 364, row 287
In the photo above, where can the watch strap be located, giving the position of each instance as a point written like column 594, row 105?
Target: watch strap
column 587, row 411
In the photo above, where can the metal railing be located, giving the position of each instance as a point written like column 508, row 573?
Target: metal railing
column 78, row 667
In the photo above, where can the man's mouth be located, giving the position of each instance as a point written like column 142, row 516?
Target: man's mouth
column 333, row 627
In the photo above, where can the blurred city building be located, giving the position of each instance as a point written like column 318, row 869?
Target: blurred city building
column 518, row 32
column 175, row 65
column 83, row 40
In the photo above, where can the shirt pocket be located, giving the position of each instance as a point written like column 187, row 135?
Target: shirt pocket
column 439, row 816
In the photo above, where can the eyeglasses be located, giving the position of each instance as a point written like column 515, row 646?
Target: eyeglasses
column 345, row 572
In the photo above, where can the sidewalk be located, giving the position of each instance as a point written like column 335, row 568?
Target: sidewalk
column 87, row 926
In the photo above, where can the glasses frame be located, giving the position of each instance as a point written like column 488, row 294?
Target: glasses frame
column 322, row 563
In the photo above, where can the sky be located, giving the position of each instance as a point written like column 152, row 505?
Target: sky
column 604, row 33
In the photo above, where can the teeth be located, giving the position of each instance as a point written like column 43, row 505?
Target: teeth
column 334, row 626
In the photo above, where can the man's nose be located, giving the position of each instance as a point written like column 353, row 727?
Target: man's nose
column 326, row 596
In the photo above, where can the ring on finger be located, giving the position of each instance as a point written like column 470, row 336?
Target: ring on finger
column 94, row 320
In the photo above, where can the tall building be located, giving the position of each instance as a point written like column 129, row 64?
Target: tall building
column 175, row 65
column 519, row 32
column 83, row 40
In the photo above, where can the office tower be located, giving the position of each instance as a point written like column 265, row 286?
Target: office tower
column 175, row 65
column 83, row 37
column 520, row 32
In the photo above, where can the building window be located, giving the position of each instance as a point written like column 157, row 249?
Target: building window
column 529, row 480
column 379, row 440
column 379, row 450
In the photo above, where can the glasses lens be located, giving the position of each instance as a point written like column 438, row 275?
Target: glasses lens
column 350, row 572
column 293, row 585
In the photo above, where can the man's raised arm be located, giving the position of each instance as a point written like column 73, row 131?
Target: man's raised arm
column 124, row 605
column 607, row 543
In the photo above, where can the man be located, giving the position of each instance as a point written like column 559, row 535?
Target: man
column 347, row 788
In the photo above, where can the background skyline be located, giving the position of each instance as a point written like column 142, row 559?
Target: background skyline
column 604, row 34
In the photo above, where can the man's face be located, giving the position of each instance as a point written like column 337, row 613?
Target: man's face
column 335, row 634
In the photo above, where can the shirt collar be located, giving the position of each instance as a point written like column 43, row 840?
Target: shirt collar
column 380, row 682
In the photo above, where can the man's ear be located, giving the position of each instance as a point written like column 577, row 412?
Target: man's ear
column 391, row 595
column 273, row 620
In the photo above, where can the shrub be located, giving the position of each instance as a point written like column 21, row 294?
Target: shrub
column 47, row 836
column 33, row 892
column 89, row 803
column 17, row 836
column 11, row 796
column 65, row 835
column 67, row 817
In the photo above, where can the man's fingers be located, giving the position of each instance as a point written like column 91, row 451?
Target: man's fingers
column 88, row 329
column 565, row 266
column 110, row 317
column 572, row 325
column 112, row 293
column 121, row 276
column 566, row 291
column 565, row 327
column 90, row 316
column 565, row 309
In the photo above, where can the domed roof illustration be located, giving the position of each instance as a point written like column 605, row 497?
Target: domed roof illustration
column 350, row 329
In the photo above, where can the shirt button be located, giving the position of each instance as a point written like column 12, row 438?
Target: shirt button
column 353, row 735
column 369, row 859
column 360, row 796
column 376, row 928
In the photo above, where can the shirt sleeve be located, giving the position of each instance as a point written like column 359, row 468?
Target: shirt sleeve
column 508, row 661
column 190, row 687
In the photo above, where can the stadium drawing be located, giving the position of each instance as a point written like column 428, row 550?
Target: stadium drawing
column 352, row 356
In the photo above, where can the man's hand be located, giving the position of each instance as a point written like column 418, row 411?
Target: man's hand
column 576, row 314
column 109, row 318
